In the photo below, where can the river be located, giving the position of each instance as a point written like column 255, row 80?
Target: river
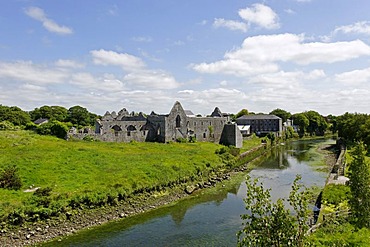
column 212, row 217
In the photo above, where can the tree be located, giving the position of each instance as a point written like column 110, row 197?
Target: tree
column 241, row 113
column 302, row 121
column 354, row 128
column 58, row 113
column 14, row 114
column 359, row 175
column 317, row 124
column 79, row 116
column 284, row 115
column 271, row 224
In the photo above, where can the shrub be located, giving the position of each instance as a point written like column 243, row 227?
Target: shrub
column 54, row 128
column 336, row 193
column 6, row 125
column 181, row 140
column 9, row 178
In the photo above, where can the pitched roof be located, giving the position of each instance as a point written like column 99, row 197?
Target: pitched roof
column 259, row 116
column 41, row 120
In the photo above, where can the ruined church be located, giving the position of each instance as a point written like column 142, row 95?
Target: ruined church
column 178, row 124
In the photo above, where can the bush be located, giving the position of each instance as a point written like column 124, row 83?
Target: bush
column 9, row 178
column 336, row 193
column 181, row 140
column 54, row 128
column 6, row 125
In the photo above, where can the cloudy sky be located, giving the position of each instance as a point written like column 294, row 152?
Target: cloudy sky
column 144, row 55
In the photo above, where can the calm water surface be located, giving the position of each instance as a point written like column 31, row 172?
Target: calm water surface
column 209, row 219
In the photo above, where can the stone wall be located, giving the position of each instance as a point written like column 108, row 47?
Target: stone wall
column 231, row 136
column 125, row 127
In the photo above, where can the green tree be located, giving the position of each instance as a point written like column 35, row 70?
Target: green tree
column 271, row 224
column 241, row 113
column 354, row 127
column 302, row 121
column 359, row 175
column 14, row 114
column 284, row 115
column 79, row 116
column 317, row 124
column 58, row 113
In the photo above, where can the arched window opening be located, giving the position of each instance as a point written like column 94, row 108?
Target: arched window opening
column 131, row 128
column 116, row 129
column 178, row 121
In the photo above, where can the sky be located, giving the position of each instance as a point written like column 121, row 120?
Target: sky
column 144, row 55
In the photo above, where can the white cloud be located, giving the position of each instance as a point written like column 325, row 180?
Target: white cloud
column 263, row 54
column 362, row 27
column 50, row 25
column 229, row 24
column 125, row 61
column 138, row 74
column 289, row 11
column 260, row 15
column 65, row 63
column 355, row 77
column 151, row 79
column 228, row 100
column 29, row 72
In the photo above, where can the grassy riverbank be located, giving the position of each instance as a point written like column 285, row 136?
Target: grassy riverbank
column 78, row 175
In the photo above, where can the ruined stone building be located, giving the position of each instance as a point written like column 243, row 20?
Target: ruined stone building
column 178, row 124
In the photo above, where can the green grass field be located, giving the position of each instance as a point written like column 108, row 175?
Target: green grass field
column 88, row 171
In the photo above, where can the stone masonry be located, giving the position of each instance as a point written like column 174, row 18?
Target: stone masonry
column 126, row 127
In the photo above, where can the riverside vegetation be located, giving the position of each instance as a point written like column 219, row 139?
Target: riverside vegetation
column 60, row 178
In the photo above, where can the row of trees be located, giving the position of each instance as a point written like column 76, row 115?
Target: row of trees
column 77, row 115
column 60, row 119
column 307, row 123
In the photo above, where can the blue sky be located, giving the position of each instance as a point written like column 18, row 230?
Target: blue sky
column 144, row 55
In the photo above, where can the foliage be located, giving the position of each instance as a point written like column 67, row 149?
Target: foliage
column 14, row 114
column 284, row 115
column 338, row 232
column 290, row 133
column 302, row 121
column 311, row 122
column 79, row 116
column 354, row 128
column 10, row 179
column 6, row 125
column 359, row 175
column 54, row 128
column 271, row 224
column 271, row 136
column 58, row 113
column 335, row 194
column 241, row 113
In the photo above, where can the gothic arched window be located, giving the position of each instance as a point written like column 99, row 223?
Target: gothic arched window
column 178, row 121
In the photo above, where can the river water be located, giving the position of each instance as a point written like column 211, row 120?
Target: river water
column 210, row 218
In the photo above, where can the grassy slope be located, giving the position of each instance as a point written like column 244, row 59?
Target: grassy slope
column 73, row 168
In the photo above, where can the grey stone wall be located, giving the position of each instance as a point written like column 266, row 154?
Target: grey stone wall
column 231, row 136
column 125, row 127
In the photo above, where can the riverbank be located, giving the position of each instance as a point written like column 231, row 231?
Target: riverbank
column 83, row 218
column 39, row 232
